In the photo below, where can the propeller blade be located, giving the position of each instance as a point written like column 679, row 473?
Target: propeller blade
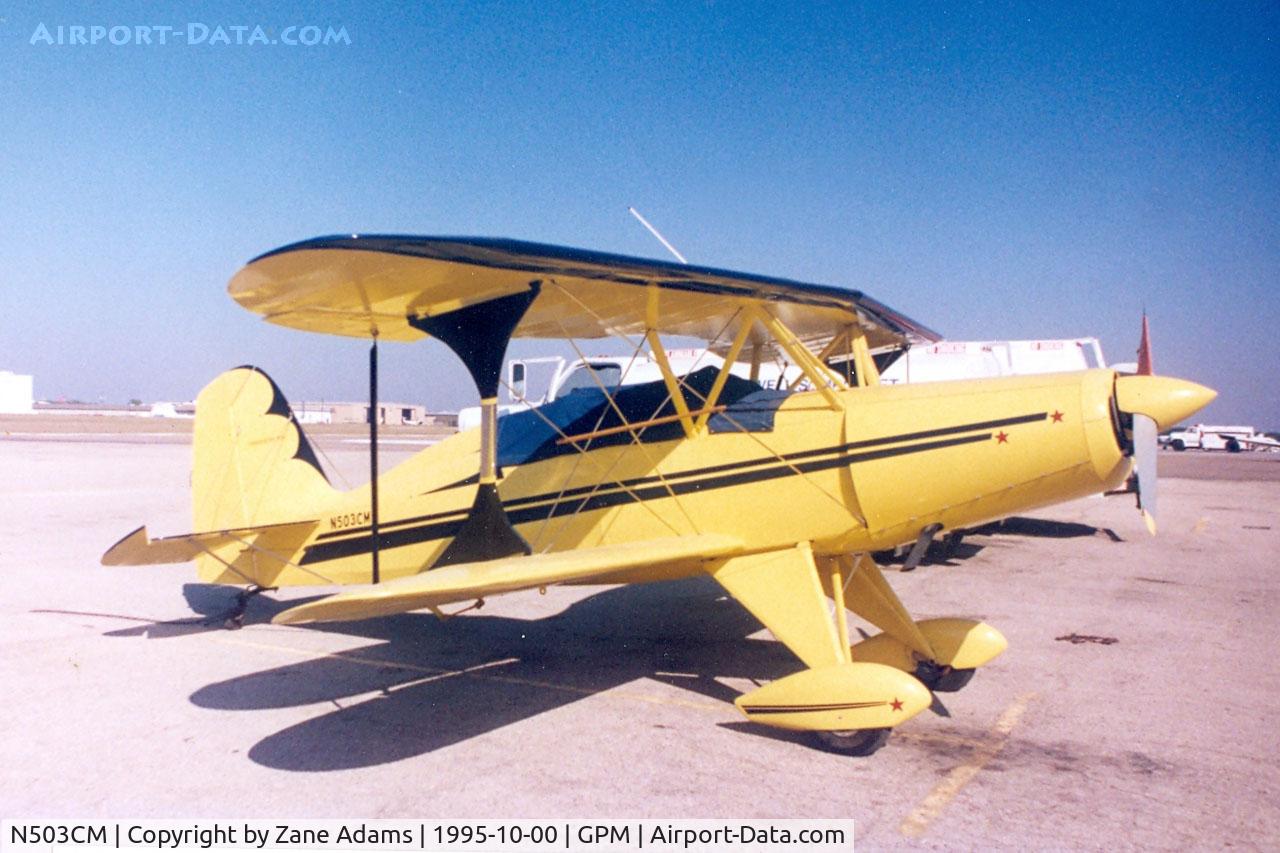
column 1144, row 454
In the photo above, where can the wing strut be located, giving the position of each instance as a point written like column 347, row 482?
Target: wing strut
column 479, row 334
column 373, row 455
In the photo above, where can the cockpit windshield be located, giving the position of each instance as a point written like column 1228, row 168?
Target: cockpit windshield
column 529, row 436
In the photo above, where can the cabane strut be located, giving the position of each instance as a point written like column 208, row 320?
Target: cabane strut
column 479, row 334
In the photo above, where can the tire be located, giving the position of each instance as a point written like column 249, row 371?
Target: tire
column 1233, row 446
column 942, row 679
column 1178, row 445
column 856, row 742
column 953, row 681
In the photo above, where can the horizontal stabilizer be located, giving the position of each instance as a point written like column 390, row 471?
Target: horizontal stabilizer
column 467, row 581
column 137, row 549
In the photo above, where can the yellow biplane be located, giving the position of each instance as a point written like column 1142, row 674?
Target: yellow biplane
column 779, row 496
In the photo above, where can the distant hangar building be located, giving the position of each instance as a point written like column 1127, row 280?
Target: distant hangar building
column 16, row 393
column 399, row 414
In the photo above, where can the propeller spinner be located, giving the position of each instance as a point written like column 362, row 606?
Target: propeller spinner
column 1155, row 403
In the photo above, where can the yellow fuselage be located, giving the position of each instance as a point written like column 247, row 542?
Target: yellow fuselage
column 871, row 475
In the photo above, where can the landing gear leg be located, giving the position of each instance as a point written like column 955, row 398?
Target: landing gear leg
column 235, row 619
column 921, row 547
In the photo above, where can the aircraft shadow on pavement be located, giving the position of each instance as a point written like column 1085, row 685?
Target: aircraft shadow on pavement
column 944, row 553
column 211, row 603
column 1045, row 529
column 425, row 684
column 152, row 628
column 429, row 684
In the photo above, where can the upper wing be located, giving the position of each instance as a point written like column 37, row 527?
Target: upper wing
column 466, row 581
column 359, row 285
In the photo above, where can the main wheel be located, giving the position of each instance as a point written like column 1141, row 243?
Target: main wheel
column 858, row 742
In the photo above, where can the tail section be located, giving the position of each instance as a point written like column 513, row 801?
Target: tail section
column 257, row 489
column 253, row 465
column 253, row 471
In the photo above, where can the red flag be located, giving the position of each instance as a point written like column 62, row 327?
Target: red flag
column 1144, row 350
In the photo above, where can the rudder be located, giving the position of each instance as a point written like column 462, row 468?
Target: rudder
column 253, row 465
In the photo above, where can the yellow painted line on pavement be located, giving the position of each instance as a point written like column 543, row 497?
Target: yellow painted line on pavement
column 481, row 672
column 932, row 805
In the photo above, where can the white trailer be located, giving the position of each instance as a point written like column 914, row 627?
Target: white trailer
column 948, row 360
column 945, row 360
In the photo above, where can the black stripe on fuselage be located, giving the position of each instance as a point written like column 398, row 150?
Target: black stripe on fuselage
column 808, row 709
column 722, row 476
column 635, row 482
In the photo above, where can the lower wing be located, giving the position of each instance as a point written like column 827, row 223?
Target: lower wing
column 467, row 581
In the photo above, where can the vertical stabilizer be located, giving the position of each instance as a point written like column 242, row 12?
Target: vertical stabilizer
column 253, row 465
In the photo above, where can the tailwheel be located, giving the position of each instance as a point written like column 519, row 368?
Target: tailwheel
column 857, row 742
column 234, row 620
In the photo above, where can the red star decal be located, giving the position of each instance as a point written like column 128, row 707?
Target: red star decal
column 896, row 704
column 1002, row 437
column 1057, row 416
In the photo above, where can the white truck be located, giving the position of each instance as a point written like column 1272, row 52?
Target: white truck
column 1232, row 439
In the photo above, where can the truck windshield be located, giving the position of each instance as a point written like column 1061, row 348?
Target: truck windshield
column 607, row 375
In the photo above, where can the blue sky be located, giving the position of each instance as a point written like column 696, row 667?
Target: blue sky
column 994, row 170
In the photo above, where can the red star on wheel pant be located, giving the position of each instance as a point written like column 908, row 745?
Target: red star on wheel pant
column 1057, row 416
column 1002, row 437
column 896, row 704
